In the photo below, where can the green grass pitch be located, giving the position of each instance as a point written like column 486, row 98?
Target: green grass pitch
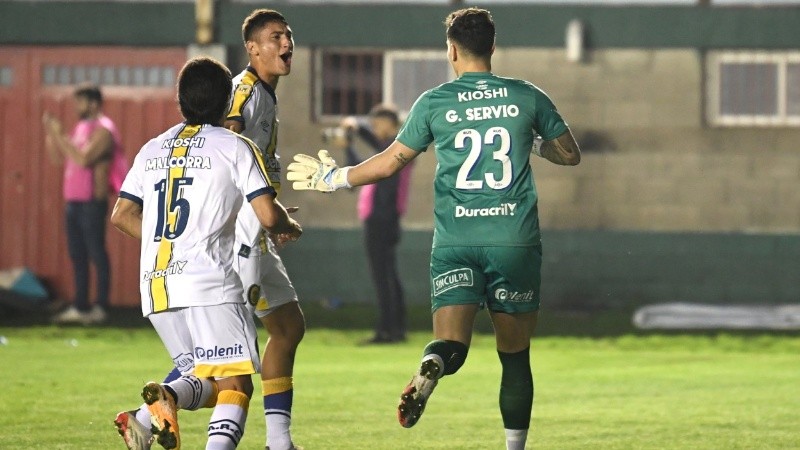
column 62, row 387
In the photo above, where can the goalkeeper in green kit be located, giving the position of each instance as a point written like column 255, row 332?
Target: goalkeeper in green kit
column 486, row 244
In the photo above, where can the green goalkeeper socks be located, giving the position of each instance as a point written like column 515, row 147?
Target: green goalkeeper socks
column 453, row 354
column 516, row 390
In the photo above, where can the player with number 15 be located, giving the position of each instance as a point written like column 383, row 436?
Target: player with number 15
column 486, row 244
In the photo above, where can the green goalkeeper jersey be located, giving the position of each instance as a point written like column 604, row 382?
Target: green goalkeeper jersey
column 483, row 128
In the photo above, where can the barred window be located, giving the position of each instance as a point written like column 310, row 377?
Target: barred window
column 351, row 82
column 144, row 76
column 753, row 89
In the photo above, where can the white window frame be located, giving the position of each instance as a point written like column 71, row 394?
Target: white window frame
column 714, row 61
column 392, row 56
column 389, row 59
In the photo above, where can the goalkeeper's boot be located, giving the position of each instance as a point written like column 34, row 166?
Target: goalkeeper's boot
column 294, row 447
column 135, row 435
column 416, row 394
column 163, row 415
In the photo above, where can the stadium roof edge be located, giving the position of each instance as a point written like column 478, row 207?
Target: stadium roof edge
column 401, row 26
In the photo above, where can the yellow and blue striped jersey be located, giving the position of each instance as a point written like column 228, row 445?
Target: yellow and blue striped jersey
column 190, row 182
column 255, row 106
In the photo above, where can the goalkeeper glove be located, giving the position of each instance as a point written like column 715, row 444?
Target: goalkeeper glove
column 309, row 173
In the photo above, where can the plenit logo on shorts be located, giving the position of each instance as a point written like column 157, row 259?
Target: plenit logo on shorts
column 504, row 295
column 452, row 279
column 217, row 352
column 505, row 209
column 174, row 268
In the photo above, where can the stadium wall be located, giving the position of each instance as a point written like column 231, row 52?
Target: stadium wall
column 650, row 163
column 590, row 270
column 655, row 178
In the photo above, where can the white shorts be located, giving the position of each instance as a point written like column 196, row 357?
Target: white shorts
column 266, row 283
column 210, row 341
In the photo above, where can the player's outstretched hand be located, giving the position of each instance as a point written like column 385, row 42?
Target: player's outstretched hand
column 280, row 239
column 309, row 173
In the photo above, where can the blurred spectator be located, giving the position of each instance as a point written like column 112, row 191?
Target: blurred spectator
column 87, row 154
column 380, row 207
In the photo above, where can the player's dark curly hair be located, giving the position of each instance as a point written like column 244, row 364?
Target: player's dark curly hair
column 257, row 20
column 204, row 89
column 472, row 29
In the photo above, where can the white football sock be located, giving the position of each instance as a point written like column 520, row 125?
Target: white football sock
column 226, row 426
column 192, row 392
column 143, row 415
column 515, row 439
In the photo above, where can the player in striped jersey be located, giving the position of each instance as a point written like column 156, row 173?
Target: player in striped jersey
column 267, row 288
column 181, row 198
column 269, row 291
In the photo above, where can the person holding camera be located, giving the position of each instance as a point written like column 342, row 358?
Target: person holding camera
column 380, row 207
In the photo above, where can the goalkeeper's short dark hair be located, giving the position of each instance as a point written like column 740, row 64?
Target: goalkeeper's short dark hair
column 471, row 29
column 204, row 90
column 257, row 20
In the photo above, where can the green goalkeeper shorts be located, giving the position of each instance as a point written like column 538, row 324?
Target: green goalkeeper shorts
column 504, row 279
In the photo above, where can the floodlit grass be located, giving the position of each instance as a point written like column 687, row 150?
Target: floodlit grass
column 63, row 386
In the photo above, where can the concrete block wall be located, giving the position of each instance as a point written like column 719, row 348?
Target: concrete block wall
column 757, row 193
column 665, row 169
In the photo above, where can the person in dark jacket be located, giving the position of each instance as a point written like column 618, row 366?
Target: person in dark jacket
column 380, row 207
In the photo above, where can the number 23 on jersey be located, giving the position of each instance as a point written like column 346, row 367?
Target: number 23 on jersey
column 476, row 143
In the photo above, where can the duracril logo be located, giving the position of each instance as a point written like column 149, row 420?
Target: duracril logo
column 504, row 295
column 505, row 209
column 452, row 279
column 172, row 269
column 217, row 352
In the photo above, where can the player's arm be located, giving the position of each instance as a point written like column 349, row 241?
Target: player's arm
column 255, row 185
column 241, row 109
column 562, row 150
column 274, row 217
column 381, row 166
column 127, row 217
column 309, row 173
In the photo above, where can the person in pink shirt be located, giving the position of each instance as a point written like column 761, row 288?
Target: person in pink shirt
column 86, row 154
column 380, row 207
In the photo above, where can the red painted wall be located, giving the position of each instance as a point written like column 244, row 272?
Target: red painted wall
column 31, row 205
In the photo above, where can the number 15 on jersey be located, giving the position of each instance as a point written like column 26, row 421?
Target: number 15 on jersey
column 173, row 215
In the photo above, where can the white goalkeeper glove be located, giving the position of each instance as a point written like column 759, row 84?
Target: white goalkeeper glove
column 309, row 173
